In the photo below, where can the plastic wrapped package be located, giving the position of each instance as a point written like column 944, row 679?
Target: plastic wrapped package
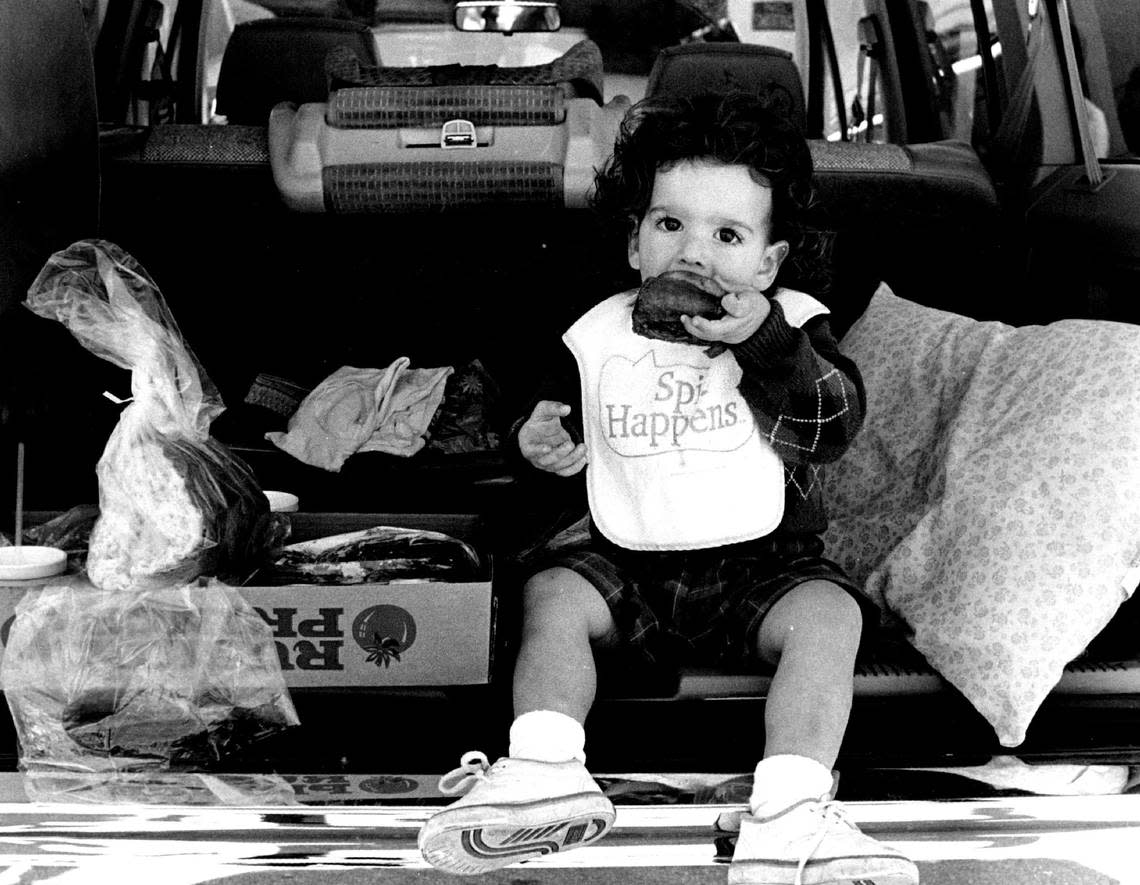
column 69, row 531
column 112, row 692
column 380, row 553
column 173, row 502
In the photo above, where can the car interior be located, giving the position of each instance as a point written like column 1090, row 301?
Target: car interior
column 315, row 217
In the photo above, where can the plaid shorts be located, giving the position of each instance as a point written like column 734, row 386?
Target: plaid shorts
column 700, row 606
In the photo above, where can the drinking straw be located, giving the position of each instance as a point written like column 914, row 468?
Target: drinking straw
column 19, row 493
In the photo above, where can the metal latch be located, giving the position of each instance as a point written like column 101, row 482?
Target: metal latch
column 458, row 134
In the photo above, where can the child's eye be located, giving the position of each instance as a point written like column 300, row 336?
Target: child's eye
column 669, row 224
column 727, row 235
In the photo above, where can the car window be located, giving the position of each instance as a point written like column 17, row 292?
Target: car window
column 955, row 43
column 843, row 37
column 950, row 39
column 418, row 33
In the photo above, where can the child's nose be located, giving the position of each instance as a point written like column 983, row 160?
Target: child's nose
column 694, row 250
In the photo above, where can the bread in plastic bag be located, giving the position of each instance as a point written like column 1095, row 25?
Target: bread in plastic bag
column 103, row 684
column 174, row 503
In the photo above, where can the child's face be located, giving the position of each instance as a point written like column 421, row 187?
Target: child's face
column 712, row 219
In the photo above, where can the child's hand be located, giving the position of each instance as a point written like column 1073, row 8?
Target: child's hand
column 545, row 443
column 745, row 311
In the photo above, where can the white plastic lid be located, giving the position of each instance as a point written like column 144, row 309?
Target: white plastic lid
column 26, row 562
column 282, row 502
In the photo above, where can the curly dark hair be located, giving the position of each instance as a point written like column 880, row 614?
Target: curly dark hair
column 735, row 128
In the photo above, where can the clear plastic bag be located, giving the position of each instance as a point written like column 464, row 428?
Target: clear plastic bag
column 113, row 691
column 173, row 502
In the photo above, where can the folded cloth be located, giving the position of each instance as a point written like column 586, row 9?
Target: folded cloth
column 407, row 411
column 354, row 409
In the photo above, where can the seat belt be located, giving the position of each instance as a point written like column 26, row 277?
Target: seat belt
column 984, row 41
column 869, row 53
column 1088, row 150
column 1008, row 138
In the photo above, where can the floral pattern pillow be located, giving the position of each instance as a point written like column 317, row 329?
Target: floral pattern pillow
column 991, row 504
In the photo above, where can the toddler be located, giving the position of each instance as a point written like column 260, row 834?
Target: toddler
column 702, row 472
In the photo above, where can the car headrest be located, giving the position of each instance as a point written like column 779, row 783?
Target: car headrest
column 693, row 68
column 579, row 69
column 271, row 60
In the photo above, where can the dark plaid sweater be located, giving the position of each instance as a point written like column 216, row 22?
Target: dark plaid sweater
column 807, row 399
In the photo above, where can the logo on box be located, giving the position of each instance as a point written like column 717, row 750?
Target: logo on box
column 384, row 632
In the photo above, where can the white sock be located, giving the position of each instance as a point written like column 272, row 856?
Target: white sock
column 547, row 736
column 783, row 780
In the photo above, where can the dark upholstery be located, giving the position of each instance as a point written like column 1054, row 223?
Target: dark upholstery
column 723, row 67
column 272, row 60
column 924, row 218
column 49, row 197
column 49, row 160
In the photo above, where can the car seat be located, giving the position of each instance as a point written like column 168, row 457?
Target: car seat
column 693, row 68
column 414, row 139
column 272, row 60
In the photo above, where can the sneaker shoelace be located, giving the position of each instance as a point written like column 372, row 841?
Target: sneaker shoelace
column 472, row 768
column 831, row 814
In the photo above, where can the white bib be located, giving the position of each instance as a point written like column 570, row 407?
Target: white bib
column 675, row 459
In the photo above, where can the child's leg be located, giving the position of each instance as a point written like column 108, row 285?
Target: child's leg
column 540, row 798
column 811, row 635
column 794, row 834
column 563, row 616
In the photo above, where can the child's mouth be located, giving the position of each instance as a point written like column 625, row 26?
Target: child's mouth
column 704, row 283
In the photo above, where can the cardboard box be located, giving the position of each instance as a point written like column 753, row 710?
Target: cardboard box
column 432, row 633
column 429, row 633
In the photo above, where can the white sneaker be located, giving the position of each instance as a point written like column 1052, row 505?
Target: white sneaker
column 513, row 810
column 813, row 843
